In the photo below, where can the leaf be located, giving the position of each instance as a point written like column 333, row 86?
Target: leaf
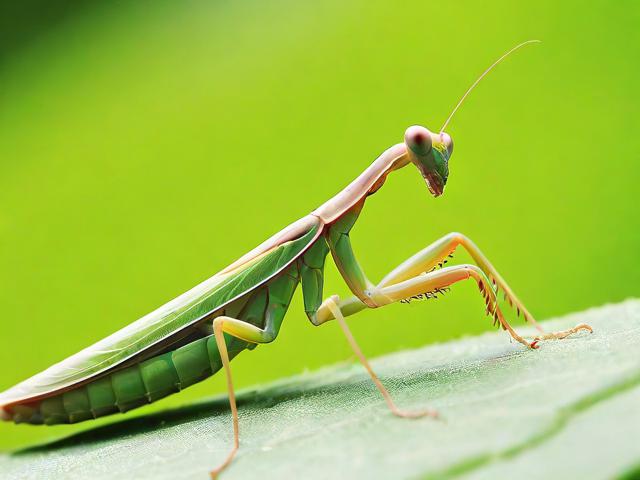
column 567, row 410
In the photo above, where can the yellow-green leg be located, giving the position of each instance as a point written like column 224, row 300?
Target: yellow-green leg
column 249, row 333
column 438, row 252
column 426, row 282
column 561, row 334
column 332, row 304
column 436, row 255
column 267, row 308
column 334, row 308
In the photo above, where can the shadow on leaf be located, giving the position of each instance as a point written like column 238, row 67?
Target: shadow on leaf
column 253, row 399
column 352, row 380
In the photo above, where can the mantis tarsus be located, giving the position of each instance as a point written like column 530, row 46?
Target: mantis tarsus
column 198, row 333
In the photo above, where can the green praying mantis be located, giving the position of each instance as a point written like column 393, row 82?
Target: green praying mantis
column 201, row 331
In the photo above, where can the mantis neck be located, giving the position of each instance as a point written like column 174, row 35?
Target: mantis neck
column 366, row 183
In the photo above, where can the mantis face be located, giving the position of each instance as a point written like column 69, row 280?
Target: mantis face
column 430, row 153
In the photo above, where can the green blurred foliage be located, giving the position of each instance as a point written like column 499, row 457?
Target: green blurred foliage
column 146, row 145
column 28, row 21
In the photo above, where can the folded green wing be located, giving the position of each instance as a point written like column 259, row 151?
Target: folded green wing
column 170, row 319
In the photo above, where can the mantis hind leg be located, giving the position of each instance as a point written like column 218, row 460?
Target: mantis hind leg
column 279, row 294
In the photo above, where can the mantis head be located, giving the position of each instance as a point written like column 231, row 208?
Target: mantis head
column 430, row 153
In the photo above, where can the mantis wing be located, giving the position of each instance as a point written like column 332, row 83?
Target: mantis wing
column 240, row 278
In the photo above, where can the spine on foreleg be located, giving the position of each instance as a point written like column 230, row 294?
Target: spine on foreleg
column 130, row 387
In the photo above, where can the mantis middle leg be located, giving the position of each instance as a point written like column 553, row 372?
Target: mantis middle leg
column 426, row 282
column 333, row 308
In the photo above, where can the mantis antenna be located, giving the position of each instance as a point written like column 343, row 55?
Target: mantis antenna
column 484, row 74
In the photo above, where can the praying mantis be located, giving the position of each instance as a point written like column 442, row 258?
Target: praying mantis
column 201, row 331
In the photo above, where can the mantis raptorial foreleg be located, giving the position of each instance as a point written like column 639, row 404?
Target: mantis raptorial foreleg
column 436, row 254
column 429, row 282
column 422, row 264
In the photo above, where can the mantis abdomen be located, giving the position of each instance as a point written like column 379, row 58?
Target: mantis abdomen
column 133, row 386
column 166, row 373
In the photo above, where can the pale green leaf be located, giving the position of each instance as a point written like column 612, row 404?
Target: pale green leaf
column 568, row 410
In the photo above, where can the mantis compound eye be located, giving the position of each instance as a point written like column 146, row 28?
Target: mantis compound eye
column 418, row 139
column 429, row 154
column 447, row 143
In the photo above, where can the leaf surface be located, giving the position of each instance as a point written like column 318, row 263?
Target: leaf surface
column 568, row 410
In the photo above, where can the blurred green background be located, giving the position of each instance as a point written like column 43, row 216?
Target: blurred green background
column 146, row 145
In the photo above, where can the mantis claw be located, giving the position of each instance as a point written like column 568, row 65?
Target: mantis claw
column 583, row 326
column 562, row 334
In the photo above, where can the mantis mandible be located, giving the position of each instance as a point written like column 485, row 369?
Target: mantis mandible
column 201, row 331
